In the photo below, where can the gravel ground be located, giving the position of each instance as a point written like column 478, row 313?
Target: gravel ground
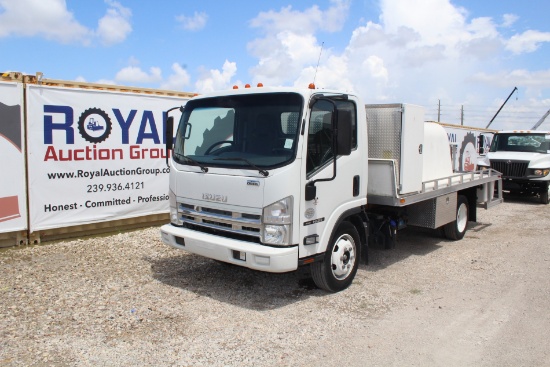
column 129, row 300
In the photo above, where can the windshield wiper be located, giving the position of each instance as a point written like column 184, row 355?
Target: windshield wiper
column 262, row 171
column 203, row 168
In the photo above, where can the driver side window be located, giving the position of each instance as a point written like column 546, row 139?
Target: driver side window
column 320, row 133
column 319, row 147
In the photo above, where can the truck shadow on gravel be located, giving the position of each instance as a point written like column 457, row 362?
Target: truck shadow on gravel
column 233, row 284
column 261, row 291
column 522, row 199
column 410, row 242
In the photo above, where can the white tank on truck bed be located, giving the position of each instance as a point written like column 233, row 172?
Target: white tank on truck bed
column 410, row 160
column 436, row 162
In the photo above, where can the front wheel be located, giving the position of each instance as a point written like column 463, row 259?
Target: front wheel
column 457, row 228
column 338, row 268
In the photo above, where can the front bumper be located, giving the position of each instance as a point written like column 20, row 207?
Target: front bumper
column 246, row 254
column 523, row 184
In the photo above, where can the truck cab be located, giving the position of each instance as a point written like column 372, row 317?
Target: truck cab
column 523, row 158
column 264, row 178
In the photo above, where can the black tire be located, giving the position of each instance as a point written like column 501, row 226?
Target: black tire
column 338, row 268
column 544, row 199
column 457, row 228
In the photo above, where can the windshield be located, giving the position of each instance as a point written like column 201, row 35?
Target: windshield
column 251, row 131
column 534, row 143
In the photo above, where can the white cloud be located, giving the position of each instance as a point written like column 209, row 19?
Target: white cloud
column 44, row 18
column 528, row 41
column 52, row 20
column 526, row 78
column 368, row 35
column 436, row 21
column 106, row 81
column 81, row 79
column 134, row 74
column 509, row 19
column 376, row 68
column 215, row 79
column 289, row 44
column 420, row 51
column 193, row 23
column 178, row 80
column 115, row 26
column 309, row 20
column 283, row 56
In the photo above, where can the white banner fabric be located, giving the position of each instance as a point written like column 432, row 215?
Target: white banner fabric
column 13, row 197
column 95, row 155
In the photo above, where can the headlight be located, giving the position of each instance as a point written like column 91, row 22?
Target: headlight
column 541, row 172
column 277, row 223
column 483, row 164
column 174, row 216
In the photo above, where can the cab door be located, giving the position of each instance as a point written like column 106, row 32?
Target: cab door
column 336, row 180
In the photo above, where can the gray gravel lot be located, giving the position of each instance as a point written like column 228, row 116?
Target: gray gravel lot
column 128, row 300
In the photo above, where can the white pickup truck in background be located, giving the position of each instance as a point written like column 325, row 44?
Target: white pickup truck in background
column 523, row 158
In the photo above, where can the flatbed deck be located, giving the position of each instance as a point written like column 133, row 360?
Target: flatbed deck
column 383, row 188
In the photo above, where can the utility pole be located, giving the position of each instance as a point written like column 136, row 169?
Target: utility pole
column 438, row 110
column 462, row 115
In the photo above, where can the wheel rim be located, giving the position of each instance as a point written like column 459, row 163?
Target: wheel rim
column 462, row 218
column 343, row 257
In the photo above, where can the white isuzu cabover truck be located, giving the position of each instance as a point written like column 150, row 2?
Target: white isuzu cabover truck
column 274, row 179
column 523, row 158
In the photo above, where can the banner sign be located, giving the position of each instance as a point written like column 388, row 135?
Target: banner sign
column 13, row 197
column 95, row 155
column 466, row 141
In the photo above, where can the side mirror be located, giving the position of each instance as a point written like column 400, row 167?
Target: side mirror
column 169, row 132
column 169, row 136
column 311, row 191
column 345, row 131
column 481, row 144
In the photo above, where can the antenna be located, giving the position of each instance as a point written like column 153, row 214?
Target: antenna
column 317, row 67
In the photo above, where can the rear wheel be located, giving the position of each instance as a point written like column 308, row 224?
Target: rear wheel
column 457, row 228
column 338, row 268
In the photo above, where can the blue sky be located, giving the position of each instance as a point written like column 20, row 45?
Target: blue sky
column 466, row 54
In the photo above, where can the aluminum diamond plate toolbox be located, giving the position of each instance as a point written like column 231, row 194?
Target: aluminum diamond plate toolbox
column 384, row 128
column 433, row 213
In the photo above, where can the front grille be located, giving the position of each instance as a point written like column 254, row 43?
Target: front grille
column 216, row 232
column 509, row 168
column 212, row 220
column 217, row 211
